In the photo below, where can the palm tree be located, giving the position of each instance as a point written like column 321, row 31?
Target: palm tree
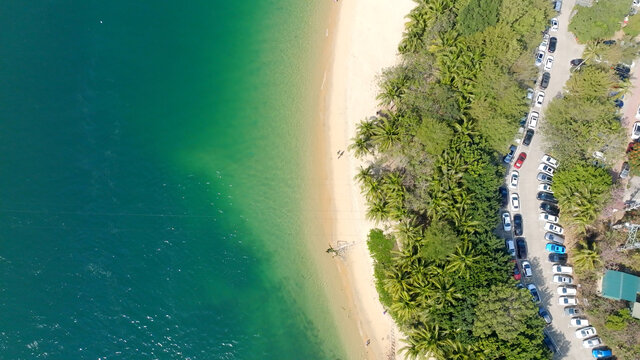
column 586, row 257
column 594, row 51
column 427, row 340
column 386, row 134
column 462, row 260
column 442, row 292
column 360, row 147
column 378, row 210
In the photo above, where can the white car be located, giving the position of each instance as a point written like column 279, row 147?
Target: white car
column 579, row 322
column 554, row 228
column 539, row 58
column 589, row 331
column 591, row 343
column 539, row 99
column 511, row 247
column 533, row 120
column 526, row 269
column 549, row 161
column 530, row 93
column 560, row 269
column 548, row 217
column 635, row 133
column 515, row 202
column 554, row 24
column 565, row 290
column 546, row 169
column 567, row 300
column 513, row 183
column 506, row 221
column 549, row 63
column 543, row 45
column 545, row 188
column 561, row 279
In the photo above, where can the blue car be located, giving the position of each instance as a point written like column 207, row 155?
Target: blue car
column 601, row 353
column 509, row 157
column 557, row 249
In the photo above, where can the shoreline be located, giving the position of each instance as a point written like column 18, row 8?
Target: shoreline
column 362, row 40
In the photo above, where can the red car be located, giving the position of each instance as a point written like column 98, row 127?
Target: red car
column 520, row 161
column 516, row 270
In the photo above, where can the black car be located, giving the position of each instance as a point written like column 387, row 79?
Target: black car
column 549, row 343
column 545, row 80
column 609, row 42
column 528, row 136
column 550, row 209
column 545, row 196
column 553, row 42
column 504, row 196
column 521, row 248
column 517, row 224
column 576, row 62
column 558, row 258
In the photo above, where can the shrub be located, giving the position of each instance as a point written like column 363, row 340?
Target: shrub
column 599, row 21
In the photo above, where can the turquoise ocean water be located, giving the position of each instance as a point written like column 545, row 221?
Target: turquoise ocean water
column 152, row 181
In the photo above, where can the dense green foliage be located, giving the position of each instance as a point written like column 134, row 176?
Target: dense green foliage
column 582, row 190
column 585, row 120
column 599, row 21
column 448, row 109
column 380, row 247
column 633, row 26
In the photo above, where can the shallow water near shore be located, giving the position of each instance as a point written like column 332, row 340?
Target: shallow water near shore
column 153, row 181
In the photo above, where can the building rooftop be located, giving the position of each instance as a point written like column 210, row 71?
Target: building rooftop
column 620, row 286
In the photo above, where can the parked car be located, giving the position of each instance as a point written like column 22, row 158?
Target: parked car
column 546, row 77
column 548, row 64
column 513, row 182
column 557, row 5
column 635, row 133
column 540, row 97
column 543, row 45
column 545, row 315
column 530, row 93
column 548, row 342
column 526, row 269
column 517, row 225
column 576, row 62
column 550, row 209
column 547, row 217
column 624, row 172
column 609, row 42
column 546, row 169
column 520, row 160
column 545, row 196
column 549, row 236
column 545, row 188
column 504, row 196
column 578, row 322
column 591, row 343
column 510, row 245
column 554, row 24
column 515, row 202
column 506, row 221
column 516, row 270
column 528, row 136
column 554, row 228
column 558, row 258
column 567, row 300
column 549, row 161
column 545, row 177
column 589, row 331
column 521, row 248
column 618, row 103
column 566, row 290
column 562, row 279
column 572, row 311
column 509, row 157
column 553, row 42
column 539, row 57
column 555, row 248
column 605, row 352
column 559, row 269
column 630, row 146
column 534, row 292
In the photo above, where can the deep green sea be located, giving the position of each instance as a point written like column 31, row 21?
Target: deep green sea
column 152, row 181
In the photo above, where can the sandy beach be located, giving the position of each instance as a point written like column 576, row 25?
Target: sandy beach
column 365, row 41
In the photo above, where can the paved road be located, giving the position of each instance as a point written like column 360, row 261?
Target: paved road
column 569, row 346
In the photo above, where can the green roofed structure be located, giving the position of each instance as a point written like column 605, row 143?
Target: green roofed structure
column 620, row 286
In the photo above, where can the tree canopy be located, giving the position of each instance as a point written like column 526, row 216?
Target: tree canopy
column 599, row 21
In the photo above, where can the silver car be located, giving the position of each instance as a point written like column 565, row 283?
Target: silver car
column 554, row 238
